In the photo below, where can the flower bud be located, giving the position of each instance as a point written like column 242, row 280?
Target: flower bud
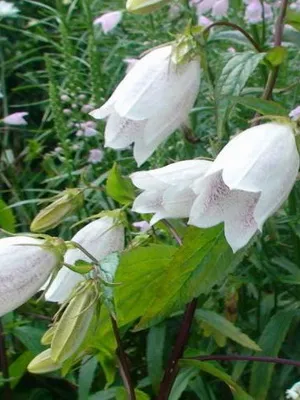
column 73, row 326
column 144, row 6
column 52, row 215
column 43, row 363
column 48, row 336
column 26, row 264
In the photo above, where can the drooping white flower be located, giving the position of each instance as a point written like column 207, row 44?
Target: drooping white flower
column 294, row 392
column 218, row 8
column 151, row 102
column 99, row 238
column 7, row 9
column 16, row 118
column 167, row 191
column 25, row 265
column 109, row 21
column 248, row 181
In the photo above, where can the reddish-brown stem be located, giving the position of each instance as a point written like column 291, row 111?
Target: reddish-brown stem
column 123, row 363
column 235, row 357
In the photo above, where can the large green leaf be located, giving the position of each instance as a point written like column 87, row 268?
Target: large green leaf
column 30, row 337
column 270, row 342
column 293, row 19
column 121, row 394
column 204, row 260
column 225, row 327
column 118, row 187
column 7, row 218
column 237, row 391
column 263, row 107
column 155, row 352
column 140, row 273
column 86, row 376
column 19, row 367
column 231, row 82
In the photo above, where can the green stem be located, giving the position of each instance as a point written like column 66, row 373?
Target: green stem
column 293, row 211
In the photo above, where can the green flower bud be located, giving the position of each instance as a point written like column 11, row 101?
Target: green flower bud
column 144, row 6
column 48, row 336
column 73, row 325
column 52, row 215
column 43, row 363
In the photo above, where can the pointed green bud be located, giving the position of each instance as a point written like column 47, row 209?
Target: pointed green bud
column 48, row 336
column 51, row 216
column 73, row 325
column 43, row 363
column 144, row 6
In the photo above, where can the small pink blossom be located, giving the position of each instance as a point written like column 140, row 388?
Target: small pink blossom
column 95, row 156
column 88, row 128
column 143, row 226
column 231, row 50
column 130, row 63
column 218, row 8
column 204, row 21
column 86, row 108
column 254, row 11
column 65, row 98
column 67, row 111
column 16, row 118
column 109, row 20
column 295, row 114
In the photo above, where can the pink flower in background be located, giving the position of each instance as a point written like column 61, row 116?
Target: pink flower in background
column 254, row 11
column 16, row 118
column 86, row 108
column 295, row 113
column 143, row 226
column 231, row 50
column 204, row 21
column 130, row 63
column 218, row 8
column 95, row 156
column 109, row 20
column 88, row 128
column 295, row 5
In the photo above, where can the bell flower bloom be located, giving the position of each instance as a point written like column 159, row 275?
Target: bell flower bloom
column 248, row 181
column 167, row 191
column 294, row 392
column 99, row 238
column 151, row 102
column 109, row 20
column 16, row 118
column 295, row 114
column 254, row 11
column 218, row 8
column 26, row 264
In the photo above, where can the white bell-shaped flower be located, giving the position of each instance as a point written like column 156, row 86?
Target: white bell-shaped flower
column 25, row 265
column 150, row 103
column 167, row 191
column 99, row 238
column 248, row 181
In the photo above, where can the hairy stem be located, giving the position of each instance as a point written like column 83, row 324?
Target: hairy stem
column 123, row 363
column 237, row 28
column 7, row 392
column 235, row 357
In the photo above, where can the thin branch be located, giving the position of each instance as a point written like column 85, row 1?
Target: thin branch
column 237, row 28
column 235, row 357
column 173, row 231
column 123, row 363
column 4, row 365
column 172, row 368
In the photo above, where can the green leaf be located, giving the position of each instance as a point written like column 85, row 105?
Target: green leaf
column 232, row 80
column 155, row 351
column 30, row 337
column 19, row 367
column 226, row 328
column 276, row 56
column 237, row 391
column 291, row 36
column 263, row 107
column 121, row 394
column 181, row 382
column 86, row 376
column 109, row 267
column 293, row 18
column 230, row 36
column 118, row 187
column 7, row 218
column 270, row 342
column 204, row 260
column 139, row 273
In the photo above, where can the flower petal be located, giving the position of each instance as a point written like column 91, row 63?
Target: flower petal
column 178, row 202
column 63, row 284
column 148, row 202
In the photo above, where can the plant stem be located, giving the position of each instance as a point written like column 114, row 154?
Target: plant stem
column 181, row 341
column 237, row 28
column 123, row 363
column 4, row 365
column 234, row 357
